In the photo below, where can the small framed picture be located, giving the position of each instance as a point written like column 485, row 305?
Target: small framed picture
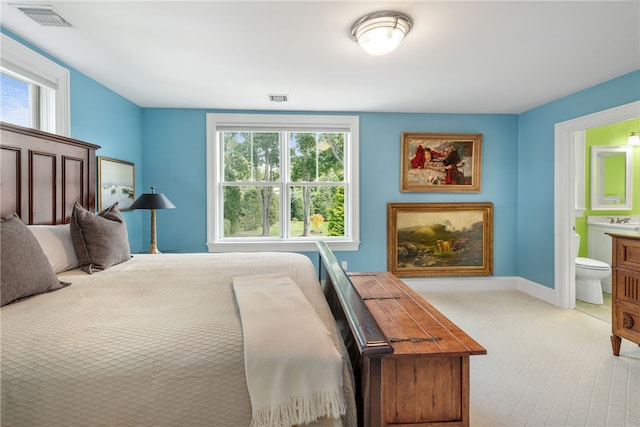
column 441, row 162
column 440, row 239
column 116, row 183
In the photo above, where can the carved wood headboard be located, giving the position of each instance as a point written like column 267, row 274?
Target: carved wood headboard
column 42, row 175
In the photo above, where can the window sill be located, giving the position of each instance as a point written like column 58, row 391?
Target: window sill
column 306, row 246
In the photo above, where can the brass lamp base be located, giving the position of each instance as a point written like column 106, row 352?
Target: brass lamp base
column 153, row 248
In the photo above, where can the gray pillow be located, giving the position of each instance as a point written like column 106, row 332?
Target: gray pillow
column 24, row 268
column 100, row 240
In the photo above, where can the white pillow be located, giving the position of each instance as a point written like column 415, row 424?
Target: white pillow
column 57, row 245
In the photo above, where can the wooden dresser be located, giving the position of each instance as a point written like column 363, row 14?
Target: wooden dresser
column 425, row 380
column 625, row 293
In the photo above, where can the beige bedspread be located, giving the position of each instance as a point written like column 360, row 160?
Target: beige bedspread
column 155, row 341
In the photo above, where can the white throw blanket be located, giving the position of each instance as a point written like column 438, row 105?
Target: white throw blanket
column 293, row 371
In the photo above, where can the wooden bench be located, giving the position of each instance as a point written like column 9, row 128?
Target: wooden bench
column 425, row 380
column 410, row 362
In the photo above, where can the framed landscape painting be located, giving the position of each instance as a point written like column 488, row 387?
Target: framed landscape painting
column 115, row 183
column 440, row 239
column 441, row 162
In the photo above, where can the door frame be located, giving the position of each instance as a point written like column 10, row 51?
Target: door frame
column 567, row 135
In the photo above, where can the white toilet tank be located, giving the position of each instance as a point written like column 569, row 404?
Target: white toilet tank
column 576, row 246
column 599, row 247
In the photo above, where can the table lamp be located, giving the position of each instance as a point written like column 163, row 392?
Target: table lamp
column 153, row 201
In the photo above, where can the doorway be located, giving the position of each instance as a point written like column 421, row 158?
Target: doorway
column 567, row 135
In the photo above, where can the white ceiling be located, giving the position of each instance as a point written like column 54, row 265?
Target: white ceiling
column 473, row 56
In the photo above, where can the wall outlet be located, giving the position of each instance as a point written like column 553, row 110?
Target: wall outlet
column 344, row 265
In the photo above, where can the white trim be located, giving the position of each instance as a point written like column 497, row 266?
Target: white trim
column 579, row 140
column 564, row 194
column 537, row 290
column 481, row 284
column 277, row 246
column 348, row 123
column 43, row 72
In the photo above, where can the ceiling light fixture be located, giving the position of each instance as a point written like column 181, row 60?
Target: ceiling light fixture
column 380, row 33
column 634, row 138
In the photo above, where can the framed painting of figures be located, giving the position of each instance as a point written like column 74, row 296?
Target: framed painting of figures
column 440, row 239
column 441, row 162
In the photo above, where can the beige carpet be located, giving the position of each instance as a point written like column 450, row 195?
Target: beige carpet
column 545, row 366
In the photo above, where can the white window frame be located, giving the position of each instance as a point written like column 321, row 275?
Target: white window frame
column 215, row 219
column 54, row 110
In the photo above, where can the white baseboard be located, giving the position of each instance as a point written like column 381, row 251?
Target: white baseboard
column 461, row 284
column 537, row 290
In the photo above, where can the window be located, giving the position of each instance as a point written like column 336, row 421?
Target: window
column 17, row 103
column 35, row 90
column 281, row 182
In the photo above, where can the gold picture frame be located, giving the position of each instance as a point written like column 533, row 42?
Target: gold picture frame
column 441, row 162
column 116, row 183
column 440, row 239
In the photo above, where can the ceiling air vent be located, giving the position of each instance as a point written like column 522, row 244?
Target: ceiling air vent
column 278, row 98
column 43, row 15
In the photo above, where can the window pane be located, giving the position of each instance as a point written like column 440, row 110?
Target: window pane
column 317, row 156
column 15, row 101
column 251, row 156
column 331, row 156
column 317, row 211
column 265, row 160
column 251, row 211
column 237, row 149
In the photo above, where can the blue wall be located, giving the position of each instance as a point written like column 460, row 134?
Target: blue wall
column 174, row 161
column 100, row 116
column 168, row 147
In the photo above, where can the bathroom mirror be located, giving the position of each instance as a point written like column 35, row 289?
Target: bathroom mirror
column 611, row 178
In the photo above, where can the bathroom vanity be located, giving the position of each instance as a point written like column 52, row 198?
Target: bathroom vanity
column 599, row 244
column 625, row 296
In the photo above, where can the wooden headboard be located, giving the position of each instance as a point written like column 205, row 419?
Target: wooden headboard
column 42, row 175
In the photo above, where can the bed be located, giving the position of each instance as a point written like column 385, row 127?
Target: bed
column 152, row 340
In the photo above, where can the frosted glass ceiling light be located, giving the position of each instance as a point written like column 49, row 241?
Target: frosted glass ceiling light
column 381, row 32
column 634, row 138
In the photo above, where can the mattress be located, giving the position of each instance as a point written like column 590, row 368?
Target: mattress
column 154, row 341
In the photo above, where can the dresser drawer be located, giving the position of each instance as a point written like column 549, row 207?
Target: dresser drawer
column 626, row 253
column 626, row 286
column 626, row 322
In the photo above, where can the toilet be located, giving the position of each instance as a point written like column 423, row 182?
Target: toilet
column 589, row 276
